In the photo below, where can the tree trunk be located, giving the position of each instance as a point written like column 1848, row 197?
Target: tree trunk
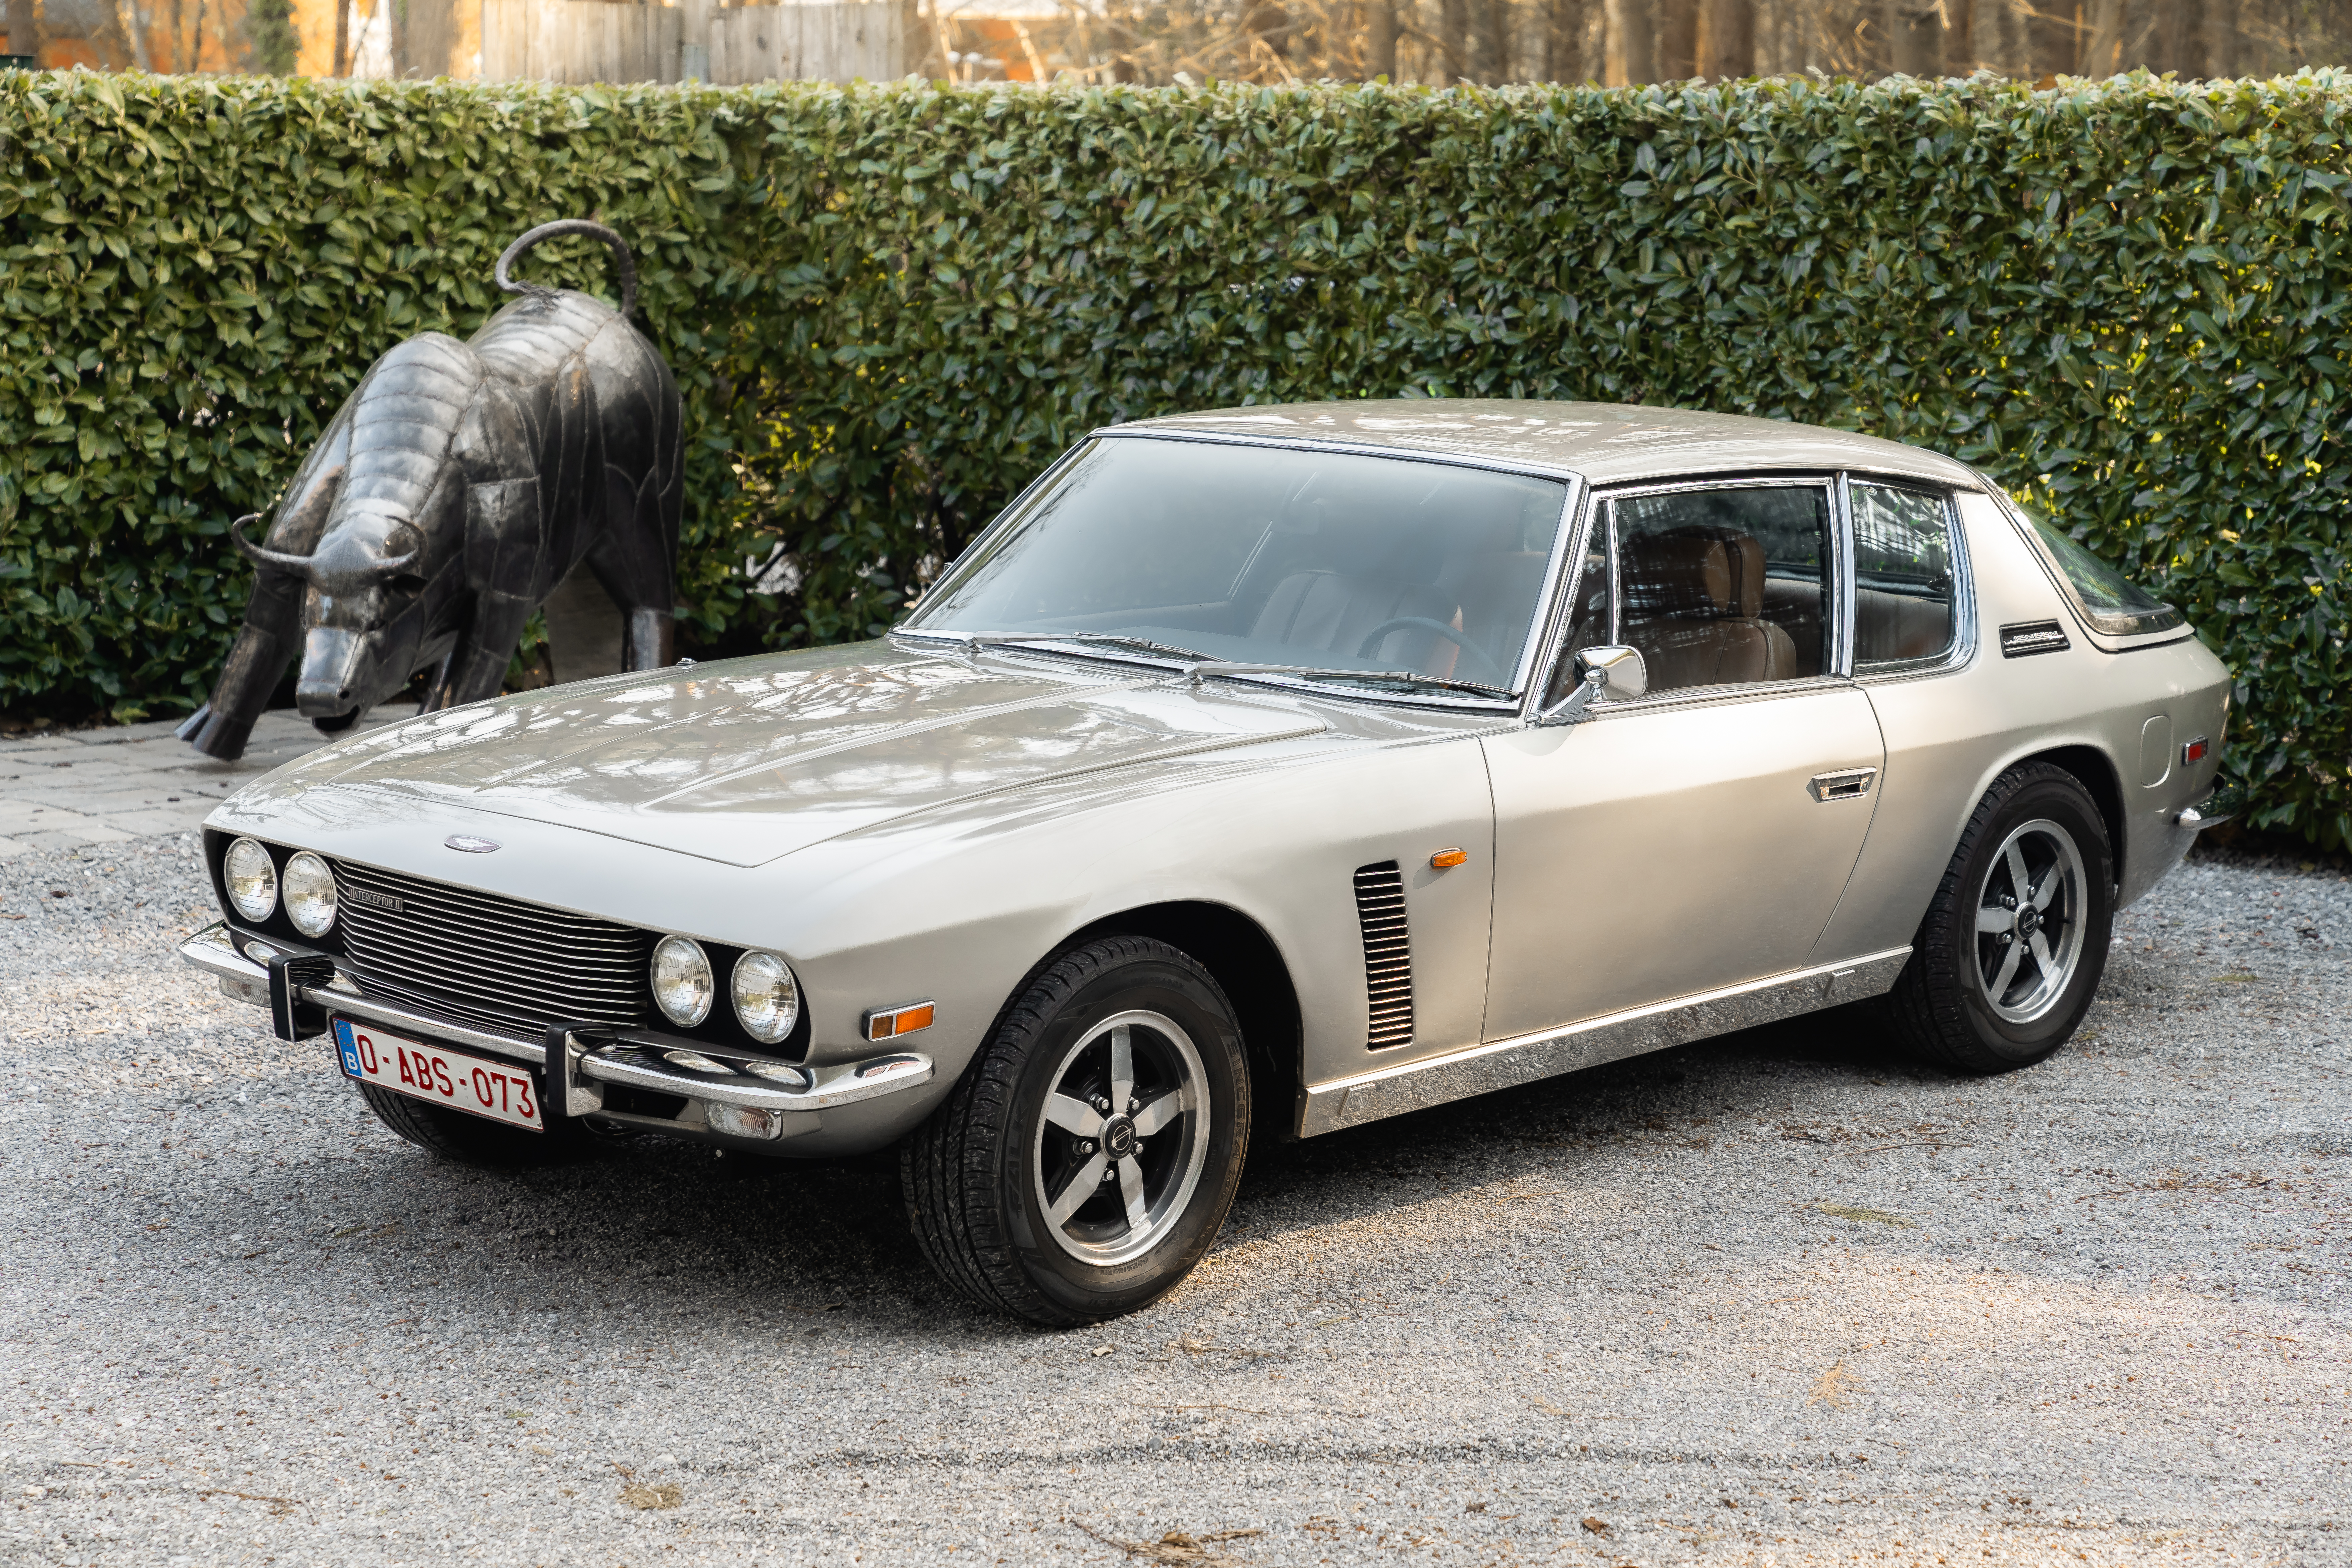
column 1454, row 40
column 1632, row 27
column 1915, row 35
column 2103, row 51
column 1727, row 38
column 1564, row 41
column 1678, row 40
column 1492, row 43
column 2221, row 38
column 1381, row 39
column 2171, row 47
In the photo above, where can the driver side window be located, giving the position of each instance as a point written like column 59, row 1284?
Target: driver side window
column 1725, row 586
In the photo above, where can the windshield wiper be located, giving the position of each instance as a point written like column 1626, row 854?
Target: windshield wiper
column 1207, row 664
column 1110, row 639
column 1309, row 672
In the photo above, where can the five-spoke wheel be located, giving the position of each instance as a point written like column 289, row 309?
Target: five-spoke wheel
column 2030, row 921
column 1124, row 1133
column 2016, row 937
column 1084, row 1163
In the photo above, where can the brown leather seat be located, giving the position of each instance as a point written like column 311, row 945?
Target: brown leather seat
column 1333, row 612
column 1497, row 594
column 1890, row 628
column 1693, row 598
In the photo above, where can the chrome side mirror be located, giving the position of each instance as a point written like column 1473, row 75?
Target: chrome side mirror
column 1610, row 671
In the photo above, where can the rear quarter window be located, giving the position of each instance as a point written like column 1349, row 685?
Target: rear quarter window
column 2111, row 602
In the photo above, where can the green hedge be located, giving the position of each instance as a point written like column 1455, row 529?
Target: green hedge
column 888, row 305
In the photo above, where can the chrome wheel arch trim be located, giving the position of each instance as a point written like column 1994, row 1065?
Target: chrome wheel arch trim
column 1506, row 1064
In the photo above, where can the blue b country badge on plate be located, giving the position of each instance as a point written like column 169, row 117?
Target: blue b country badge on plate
column 349, row 1047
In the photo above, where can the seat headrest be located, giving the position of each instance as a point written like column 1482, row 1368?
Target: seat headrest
column 1698, row 571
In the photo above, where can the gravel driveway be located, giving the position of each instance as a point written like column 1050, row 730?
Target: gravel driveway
column 1770, row 1297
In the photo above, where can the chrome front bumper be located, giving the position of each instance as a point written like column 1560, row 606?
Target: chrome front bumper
column 632, row 1058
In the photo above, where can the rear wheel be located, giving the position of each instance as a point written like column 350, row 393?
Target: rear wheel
column 468, row 1140
column 2012, row 948
column 1086, row 1160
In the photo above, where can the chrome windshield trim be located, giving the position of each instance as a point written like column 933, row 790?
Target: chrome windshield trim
column 1531, row 649
column 1534, row 467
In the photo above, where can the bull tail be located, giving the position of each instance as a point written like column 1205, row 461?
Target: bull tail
column 624, row 268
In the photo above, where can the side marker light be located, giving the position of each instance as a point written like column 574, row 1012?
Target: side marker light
column 2195, row 751
column 1447, row 859
column 888, row 1023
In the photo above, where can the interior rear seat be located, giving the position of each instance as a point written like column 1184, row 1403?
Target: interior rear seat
column 1694, row 603
column 1897, row 626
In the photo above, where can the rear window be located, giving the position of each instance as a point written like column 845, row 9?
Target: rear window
column 2110, row 601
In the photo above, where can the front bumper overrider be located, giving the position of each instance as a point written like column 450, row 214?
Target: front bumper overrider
column 300, row 986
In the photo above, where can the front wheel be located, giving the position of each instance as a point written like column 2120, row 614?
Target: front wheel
column 1086, row 1160
column 2005, row 964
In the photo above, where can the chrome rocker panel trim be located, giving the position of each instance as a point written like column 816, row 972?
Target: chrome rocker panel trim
column 214, row 950
column 1505, row 1064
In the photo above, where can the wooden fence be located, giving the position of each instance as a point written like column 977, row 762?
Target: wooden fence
column 598, row 40
column 808, row 43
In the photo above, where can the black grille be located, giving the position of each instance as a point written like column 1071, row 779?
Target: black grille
column 1388, row 953
column 477, row 958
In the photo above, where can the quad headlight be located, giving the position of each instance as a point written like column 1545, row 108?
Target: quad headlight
column 683, row 984
column 767, row 998
column 309, row 895
column 251, row 878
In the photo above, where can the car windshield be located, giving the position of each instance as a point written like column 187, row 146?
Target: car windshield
column 1326, row 562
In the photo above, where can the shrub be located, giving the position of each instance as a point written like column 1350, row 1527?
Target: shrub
column 888, row 305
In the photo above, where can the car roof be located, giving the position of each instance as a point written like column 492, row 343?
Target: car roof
column 1606, row 443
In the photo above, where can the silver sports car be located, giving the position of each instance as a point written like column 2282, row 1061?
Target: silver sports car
column 1257, row 773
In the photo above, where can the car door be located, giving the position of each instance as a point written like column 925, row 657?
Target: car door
column 1697, row 836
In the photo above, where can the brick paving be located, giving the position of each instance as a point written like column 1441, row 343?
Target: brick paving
column 62, row 788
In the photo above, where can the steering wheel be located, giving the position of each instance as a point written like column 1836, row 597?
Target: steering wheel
column 1423, row 624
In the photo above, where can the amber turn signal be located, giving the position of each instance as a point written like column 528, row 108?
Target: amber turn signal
column 887, row 1023
column 1447, row 859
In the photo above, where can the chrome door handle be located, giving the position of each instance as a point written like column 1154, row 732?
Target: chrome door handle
column 1851, row 785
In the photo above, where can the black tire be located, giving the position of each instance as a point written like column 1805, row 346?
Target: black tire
column 976, row 1172
column 469, row 1139
column 1944, row 1006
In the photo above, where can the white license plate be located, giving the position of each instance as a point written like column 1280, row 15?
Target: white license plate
column 502, row 1092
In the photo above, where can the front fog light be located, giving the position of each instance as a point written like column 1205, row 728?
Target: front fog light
column 251, row 878
column 682, row 984
column 767, row 1002
column 742, row 1121
column 309, row 895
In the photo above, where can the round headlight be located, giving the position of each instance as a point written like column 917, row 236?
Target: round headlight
column 683, row 985
column 252, row 880
column 309, row 895
column 767, row 1002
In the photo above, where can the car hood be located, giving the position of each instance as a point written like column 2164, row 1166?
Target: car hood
column 747, row 760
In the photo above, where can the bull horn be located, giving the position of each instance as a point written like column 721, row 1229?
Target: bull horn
column 623, row 267
column 297, row 564
column 396, row 565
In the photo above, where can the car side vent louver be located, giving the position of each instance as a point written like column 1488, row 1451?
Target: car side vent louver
column 1388, row 954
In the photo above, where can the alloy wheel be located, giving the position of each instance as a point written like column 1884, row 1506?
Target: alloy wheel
column 2030, row 919
column 1123, row 1139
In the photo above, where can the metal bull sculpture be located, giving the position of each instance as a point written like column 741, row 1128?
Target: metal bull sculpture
column 454, row 489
